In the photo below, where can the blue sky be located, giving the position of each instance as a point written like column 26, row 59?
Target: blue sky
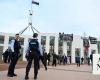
column 52, row 16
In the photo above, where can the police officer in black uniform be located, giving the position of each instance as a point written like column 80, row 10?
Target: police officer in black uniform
column 15, row 47
column 32, row 53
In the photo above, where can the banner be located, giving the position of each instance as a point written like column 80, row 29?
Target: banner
column 93, row 40
column 67, row 37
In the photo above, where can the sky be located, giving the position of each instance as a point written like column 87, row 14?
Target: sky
column 52, row 16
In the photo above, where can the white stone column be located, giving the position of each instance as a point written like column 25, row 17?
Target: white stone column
column 64, row 47
column 82, row 49
column 47, row 43
column 73, row 52
column 39, row 38
column 56, row 45
column 24, row 48
column 82, row 52
column 6, row 42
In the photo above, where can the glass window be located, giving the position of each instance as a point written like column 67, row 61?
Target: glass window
column 52, row 44
column 1, row 52
column 52, row 40
column 11, row 38
column 60, row 50
column 69, row 48
column 21, row 58
column 60, row 43
column 2, row 39
column 60, row 47
column 43, row 40
column 98, row 44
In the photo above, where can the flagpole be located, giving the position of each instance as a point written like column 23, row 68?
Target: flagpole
column 30, row 20
column 31, row 7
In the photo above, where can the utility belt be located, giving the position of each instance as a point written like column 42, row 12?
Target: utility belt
column 15, row 54
column 33, row 52
column 31, row 55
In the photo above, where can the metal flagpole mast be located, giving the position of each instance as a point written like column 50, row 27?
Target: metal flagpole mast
column 21, row 32
column 31, row 14
column 30, row 20
column 35, row 29
column 32, row 28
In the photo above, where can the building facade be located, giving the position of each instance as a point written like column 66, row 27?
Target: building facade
column 53, row 43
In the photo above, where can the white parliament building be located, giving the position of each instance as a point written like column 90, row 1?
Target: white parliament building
column 70, row 46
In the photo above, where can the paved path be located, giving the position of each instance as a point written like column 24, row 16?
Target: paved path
column 69, row 72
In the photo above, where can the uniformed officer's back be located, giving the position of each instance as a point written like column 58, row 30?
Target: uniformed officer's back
column 33, row 45
column 32, row 53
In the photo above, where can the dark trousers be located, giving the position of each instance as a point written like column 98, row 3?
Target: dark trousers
column 35, row 57
column 5, row 57
column 54, row 63
column 43, row 60
column 13, row 63
column 64, row 62
column 48, row 62
column 9, row 58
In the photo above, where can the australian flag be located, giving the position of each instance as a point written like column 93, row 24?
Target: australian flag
column 34, row 2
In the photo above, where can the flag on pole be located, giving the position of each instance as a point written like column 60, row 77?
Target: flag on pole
column 34, row 2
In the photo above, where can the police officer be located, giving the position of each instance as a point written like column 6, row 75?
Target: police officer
column 33, row 52
column 15, row 47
